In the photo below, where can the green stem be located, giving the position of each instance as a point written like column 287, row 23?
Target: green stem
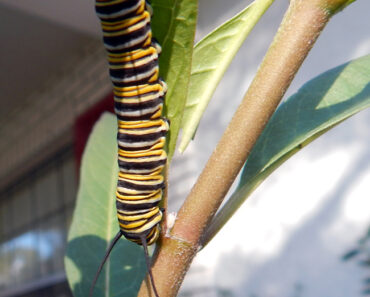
column 299, row 30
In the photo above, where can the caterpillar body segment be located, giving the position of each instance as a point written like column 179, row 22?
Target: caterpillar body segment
column 138, row 101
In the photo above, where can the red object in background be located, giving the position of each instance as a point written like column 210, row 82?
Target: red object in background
column 85, row 122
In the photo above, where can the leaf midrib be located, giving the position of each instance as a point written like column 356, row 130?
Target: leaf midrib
column 110, row 214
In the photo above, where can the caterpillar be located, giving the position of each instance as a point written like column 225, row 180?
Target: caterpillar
column 138, row 101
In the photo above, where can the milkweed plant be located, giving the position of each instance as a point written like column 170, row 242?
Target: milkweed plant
column 256, row 141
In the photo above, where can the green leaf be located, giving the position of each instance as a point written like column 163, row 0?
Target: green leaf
column 318, row 106
column 174, row 23
column 212, row 55
column 95, row 223
column 349, row 255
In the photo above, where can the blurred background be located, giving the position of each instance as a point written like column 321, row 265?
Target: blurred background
column 287, row 240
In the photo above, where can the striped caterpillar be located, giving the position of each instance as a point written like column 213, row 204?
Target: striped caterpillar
column 138, row 101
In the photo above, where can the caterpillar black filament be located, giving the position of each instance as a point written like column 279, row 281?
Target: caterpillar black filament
column 138, row 99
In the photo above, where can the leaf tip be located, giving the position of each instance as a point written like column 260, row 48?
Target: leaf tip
column 183, row 145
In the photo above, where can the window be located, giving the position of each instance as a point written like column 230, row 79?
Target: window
column 35, row 213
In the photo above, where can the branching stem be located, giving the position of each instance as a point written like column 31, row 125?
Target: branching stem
column 299, row 30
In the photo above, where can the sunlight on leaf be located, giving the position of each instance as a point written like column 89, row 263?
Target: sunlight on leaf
column 211, row 57
column 174, row 23
column 318, row 106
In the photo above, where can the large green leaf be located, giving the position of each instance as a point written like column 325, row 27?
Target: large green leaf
column 211, row 57
column 174, row 23
column 318, row 106
column 95, row 223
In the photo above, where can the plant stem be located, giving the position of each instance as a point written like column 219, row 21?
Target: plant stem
column 300, row 28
